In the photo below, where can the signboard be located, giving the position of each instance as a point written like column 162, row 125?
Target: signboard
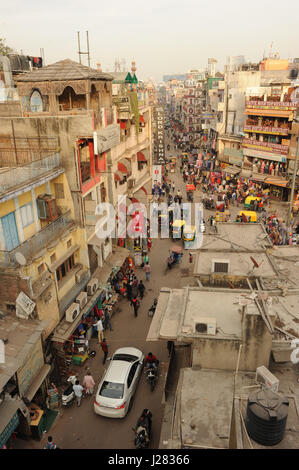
column 267, row 129
column 282, row 105
column 159, row 137
column 32, row 365
column 157, row 174
column 25, row 305
column 267, row 146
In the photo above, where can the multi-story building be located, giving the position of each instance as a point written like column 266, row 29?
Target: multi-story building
column 131, row 160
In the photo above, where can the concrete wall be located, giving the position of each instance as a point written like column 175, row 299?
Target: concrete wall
column 223, row 353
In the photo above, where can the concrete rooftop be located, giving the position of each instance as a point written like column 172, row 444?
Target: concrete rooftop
column 240, row 263
column 237, row 237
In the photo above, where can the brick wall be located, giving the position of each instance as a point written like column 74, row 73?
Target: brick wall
column 10, row 286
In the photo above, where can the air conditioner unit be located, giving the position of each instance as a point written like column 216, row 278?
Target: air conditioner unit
column 81, row 299
column 92, row 286
column 264, row 376
column 206, row 326
column 80, row 275
column 72, row 312
column 220, row 266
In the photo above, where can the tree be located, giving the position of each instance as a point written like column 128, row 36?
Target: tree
column 4, row 49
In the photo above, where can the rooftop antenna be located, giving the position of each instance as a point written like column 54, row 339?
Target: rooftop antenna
column 79, row 48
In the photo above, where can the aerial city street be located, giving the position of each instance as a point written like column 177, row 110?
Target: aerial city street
column 149, row 269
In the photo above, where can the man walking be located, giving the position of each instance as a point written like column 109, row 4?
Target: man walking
column 104, row 347
column 78, row 389
column 107, row 320
column 50, row 444
column 147, row 269
column 136, row 304
column 100, row 328
column 88, row 383
column 141, row 289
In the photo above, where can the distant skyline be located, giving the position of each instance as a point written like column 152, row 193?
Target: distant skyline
column 164, row 37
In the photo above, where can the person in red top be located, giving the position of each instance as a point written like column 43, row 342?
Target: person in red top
column 151, row 360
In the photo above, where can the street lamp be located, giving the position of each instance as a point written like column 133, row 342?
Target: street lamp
column 296, row 120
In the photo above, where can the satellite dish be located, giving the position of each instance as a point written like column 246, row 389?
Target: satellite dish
column 20, row 258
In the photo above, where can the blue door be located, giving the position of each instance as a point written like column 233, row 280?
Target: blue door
column 10, row 231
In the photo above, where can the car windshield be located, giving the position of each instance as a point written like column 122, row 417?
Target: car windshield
column 124, row 357
column 112, row 390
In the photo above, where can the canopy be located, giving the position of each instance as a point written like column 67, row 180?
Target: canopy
column 143, row 156
column 118, row 175
column 124, row 166
column 190, row 187
column 176, row 249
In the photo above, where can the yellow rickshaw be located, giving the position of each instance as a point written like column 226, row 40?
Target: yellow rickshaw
column 250, row 216
column 248, row 200
column 172, row 164
column 189, row 236
column 177, row 228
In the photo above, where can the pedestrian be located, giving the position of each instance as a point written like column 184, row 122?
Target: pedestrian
column 78, row 389
column 135, row 287
column 50, row 444
column 88, row 383
column 190, row 258
column 107, row 320
column 147, row 269
column 129, row 291
column 141, row 289
column 136, row 304
column 100, row 329
column 149, row 244
column 173, row 187
column 104, row 347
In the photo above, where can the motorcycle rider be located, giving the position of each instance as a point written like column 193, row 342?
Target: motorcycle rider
column 151, row 361
column 145, row 420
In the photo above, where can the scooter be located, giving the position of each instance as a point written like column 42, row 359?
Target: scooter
column 68, row 395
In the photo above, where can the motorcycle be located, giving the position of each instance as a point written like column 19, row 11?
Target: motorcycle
column 152, row 310
column 143, row 431
column 151, row 375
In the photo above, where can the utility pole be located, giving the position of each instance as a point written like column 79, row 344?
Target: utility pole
column 80, row 52
column 296, row 120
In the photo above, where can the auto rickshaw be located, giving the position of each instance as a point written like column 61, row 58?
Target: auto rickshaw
column 177, row 228
column 250, row 216
column 247, row 203
column 189, row 236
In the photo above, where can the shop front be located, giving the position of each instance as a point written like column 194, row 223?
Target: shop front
column 71, row 341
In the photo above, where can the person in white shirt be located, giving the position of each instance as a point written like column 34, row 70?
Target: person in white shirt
column 78, row 389
column 100, row 328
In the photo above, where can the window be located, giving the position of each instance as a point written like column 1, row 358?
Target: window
column 132, row 374
column 53, row 258
column 41, row 268
column 65, row 268
column 27, row 214
column 59, row 190
column 46, row 207
column 69, row 243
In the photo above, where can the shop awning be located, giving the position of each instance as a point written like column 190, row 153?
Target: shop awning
column 246, row 173
column 122, row 125
column 143, row 156
column 232, row 170
column 277, row 182
column 124, row 166
column 115, row 259
column 258, row 177
column 9, row 418
column 141, row 118
column 118, row 175
column 37, row 381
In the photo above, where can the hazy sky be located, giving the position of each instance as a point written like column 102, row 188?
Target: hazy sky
column 163, row 36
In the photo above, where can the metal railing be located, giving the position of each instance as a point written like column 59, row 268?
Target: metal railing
column 37, row 242
column 16, row 176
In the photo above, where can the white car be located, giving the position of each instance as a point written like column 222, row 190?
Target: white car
column 117, row 387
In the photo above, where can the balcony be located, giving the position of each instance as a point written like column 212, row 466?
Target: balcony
column 12, row 177
column 31, row 247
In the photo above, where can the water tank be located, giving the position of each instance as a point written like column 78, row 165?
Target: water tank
column 266, row 417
